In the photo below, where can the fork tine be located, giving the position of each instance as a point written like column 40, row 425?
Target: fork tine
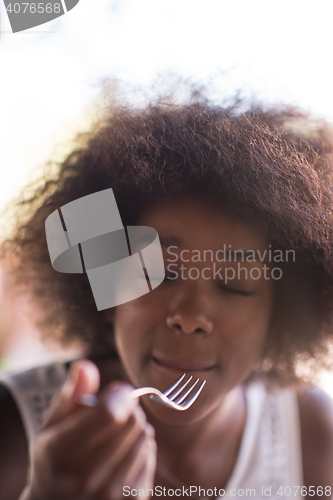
column 181, row 399
column 191, row 400
column 167, row 392
column 180, row 389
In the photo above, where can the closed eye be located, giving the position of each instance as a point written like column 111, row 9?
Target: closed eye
column 237, row 291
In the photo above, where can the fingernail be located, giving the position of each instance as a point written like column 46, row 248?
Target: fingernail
column 119, row 404
column 140, row 415
column 153, row 445
column 150, row 431
column 86, row 400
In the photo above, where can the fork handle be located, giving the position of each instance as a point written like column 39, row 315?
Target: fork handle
column 142, row 391
column 91, row 400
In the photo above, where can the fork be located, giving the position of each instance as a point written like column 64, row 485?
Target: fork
column 168, row 398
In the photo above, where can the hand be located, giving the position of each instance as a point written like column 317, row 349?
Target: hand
column 92, row 453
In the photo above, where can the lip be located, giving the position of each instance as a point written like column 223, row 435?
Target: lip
column 184, row 366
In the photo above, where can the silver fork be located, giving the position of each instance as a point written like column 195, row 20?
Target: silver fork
column 168, row 398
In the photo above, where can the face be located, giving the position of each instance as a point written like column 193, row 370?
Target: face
column 206, row 323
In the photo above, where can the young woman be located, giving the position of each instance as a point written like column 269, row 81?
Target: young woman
column 242, row 204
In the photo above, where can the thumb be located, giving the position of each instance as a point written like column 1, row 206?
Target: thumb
column 83, row 378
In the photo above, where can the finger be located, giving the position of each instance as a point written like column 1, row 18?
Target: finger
column 119, row 401
column 128, row 469
column 145, row 479
column 86, row 424
column 107, row 455
column 150, row 466
column 107, row 438
column 133, row 467
column 83, row 377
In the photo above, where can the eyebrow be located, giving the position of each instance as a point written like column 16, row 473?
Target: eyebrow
column 234, row 253
column 170, row 241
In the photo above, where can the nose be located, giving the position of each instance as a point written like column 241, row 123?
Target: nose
column 189, row 313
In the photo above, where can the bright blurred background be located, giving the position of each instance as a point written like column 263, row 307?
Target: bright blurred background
column 277, row 51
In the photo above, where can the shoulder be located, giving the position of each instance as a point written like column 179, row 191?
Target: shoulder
column 316, row 418
column 13, row 449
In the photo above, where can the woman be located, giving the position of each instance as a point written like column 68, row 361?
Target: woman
column 209, row 180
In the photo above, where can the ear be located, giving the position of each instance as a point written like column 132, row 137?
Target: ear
column 109, row 314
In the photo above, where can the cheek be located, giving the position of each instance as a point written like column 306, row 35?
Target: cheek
column 127, row 331
column 245, row 321
column 129, row 345
column 134, row 326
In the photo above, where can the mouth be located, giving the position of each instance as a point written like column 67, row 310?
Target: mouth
column 184, row 366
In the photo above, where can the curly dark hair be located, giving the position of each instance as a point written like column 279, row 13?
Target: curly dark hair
column 271, row 167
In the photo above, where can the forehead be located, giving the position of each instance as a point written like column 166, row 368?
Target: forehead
column 187, row 222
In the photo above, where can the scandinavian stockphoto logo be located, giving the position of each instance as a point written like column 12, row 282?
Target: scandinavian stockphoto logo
column 122, row 263
column 24, row 15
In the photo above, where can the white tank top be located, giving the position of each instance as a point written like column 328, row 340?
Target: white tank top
column 269, row 463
